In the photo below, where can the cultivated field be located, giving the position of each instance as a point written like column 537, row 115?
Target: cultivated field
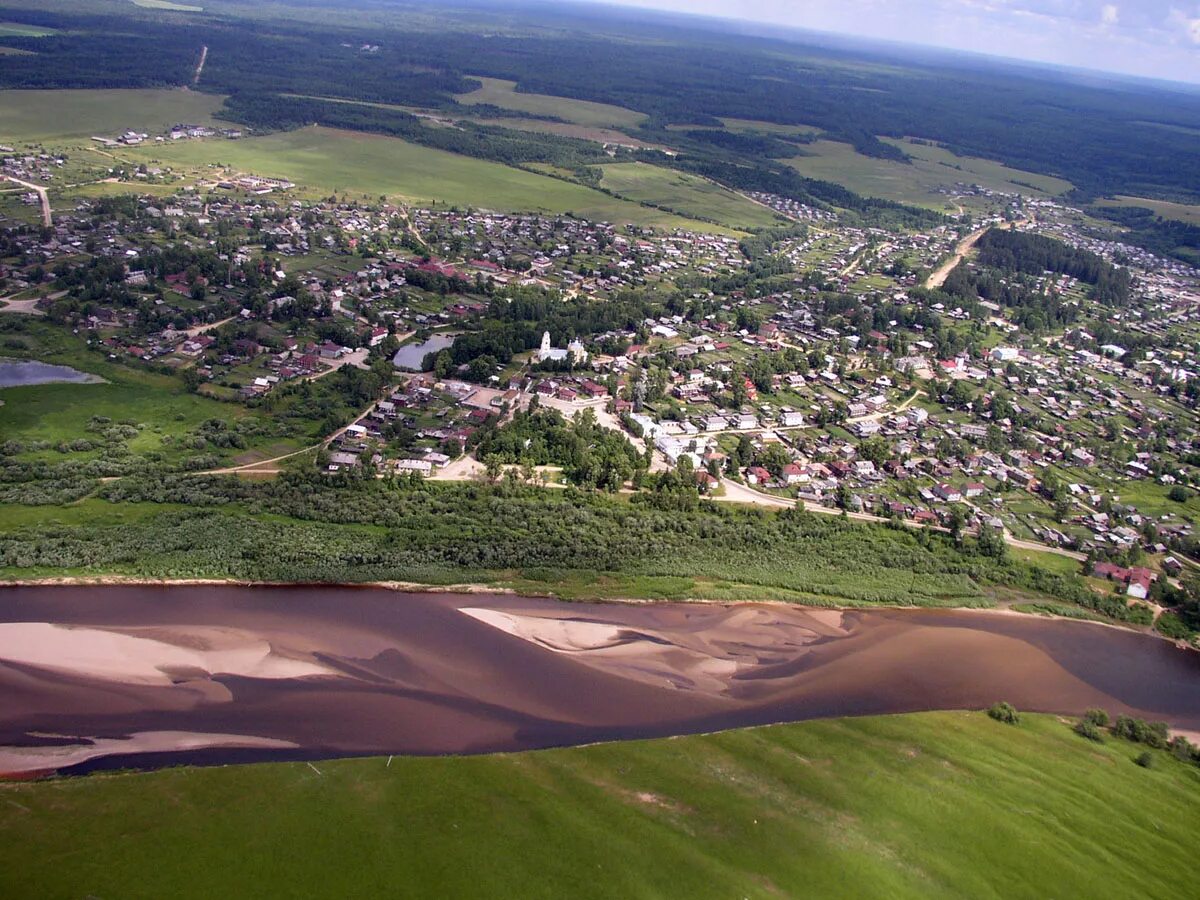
column 686, row 194
column 51, row 115
column 499, row 92
column 328, row 161
column 1181, row 212
column 921, row 806
column 918, row 183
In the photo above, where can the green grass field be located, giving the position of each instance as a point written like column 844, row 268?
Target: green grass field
column 1181, row 212
column 158, row 404
column 685, row 193
column 498, row 92
column 50, row 115
column 916, row 183
column 921, row 806
column 327, row 160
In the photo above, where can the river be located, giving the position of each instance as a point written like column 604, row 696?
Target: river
column 98, row 677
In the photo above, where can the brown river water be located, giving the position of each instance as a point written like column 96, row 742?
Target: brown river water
column 99, row 677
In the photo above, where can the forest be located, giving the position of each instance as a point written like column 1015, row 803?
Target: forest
column 1105, row 138
column 1009, row 270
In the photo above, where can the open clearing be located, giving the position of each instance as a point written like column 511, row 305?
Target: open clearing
column 1180, row 212
column 748, row 126
column 687, row 194
column 930, row 805
column 327, row 160
column 47, row 115
column 499, row 92
column 918, row 183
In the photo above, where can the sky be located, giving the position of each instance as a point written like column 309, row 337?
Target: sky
column 1151, row 38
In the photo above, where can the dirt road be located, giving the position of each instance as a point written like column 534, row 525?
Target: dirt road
column 47, row 217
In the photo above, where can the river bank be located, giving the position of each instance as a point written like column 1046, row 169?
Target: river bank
column 105, row 674
column 472, row 588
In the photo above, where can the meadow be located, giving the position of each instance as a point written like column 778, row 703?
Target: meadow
column 354, row 164
column 920, row 181
column 49, row 115
column 930, row 805
column 157, row 405
column 1180, row 212
column 687, row 194
column 498, row 92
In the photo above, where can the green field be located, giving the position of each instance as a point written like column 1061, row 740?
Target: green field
column 158, row 405
column 49, row 115
column 498, row 92
column 1180, row 212
column 327, row 161
column 921, row 806
column 687, row 194
column 916, row 183
column 749, row 126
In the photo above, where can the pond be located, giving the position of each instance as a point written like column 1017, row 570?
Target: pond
column 410, row 357
column 18, row 372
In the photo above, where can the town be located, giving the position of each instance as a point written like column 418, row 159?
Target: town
column 883, row 372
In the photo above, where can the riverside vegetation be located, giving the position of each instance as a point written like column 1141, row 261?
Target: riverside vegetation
column 664, row 542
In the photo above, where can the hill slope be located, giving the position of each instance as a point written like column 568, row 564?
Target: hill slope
column 932, row 805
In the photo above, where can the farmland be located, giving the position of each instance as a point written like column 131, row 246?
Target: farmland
column 1180, row 212
column 498, row 92
column 918, row 183
column 330, row 161
column 929, row 805
column 684, row 193
column 55, row 115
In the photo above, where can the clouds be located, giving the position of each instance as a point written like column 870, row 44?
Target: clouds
column 1157, row 38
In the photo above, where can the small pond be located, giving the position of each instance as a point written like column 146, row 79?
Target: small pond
column 410, row 357
column 17, row 372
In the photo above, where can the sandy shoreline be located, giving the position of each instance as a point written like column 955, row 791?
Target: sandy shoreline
column 337, row 671
column 474, row 588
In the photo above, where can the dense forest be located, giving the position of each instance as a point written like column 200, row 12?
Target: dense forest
column 1105, row 138
column 1010, row 269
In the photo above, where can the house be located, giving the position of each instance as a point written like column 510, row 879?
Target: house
column 916, row 415
column 974, row 489
column 790, row 418
column 793, row 473
column 948, row 493
column 1137, row 580
column 758, row 475
column 378, row 336
column 410, row 466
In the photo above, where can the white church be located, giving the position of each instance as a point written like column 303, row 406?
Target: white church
column 575, row 350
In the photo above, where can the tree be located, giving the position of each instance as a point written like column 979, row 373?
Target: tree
column 1005, row 712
